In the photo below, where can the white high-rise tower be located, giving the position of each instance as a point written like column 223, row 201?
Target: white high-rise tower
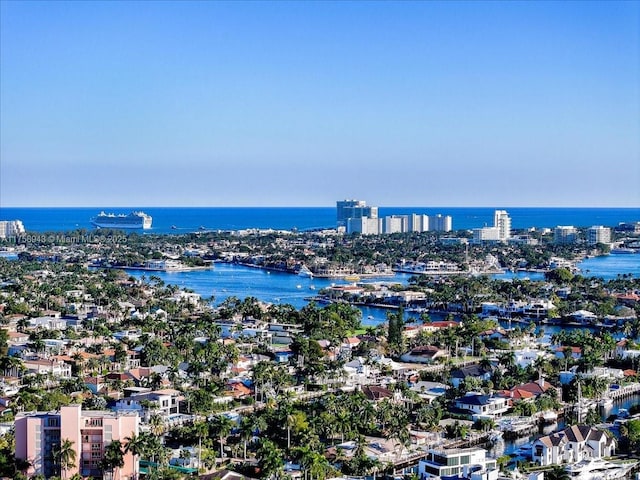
column 502, row 221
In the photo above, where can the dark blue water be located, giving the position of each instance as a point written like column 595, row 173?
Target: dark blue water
column 190, row 219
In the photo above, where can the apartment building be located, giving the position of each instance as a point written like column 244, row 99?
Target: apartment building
column 38, row 434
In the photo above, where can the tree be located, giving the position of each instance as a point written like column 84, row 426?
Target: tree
column 557, row 472
column 270, row 459
column 156, row 424
column 64, row 455
column 135, row 444
column 222, row 425
column 113, row 458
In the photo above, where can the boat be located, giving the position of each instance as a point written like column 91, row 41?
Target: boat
column 304, row 271
column 173, row 227
column 495, row 436
column 134, row 220
column 352, row 278
column 623, row 251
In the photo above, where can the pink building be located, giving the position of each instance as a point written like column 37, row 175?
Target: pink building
column 37, row 434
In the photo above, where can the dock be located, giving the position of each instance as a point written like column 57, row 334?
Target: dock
column 624, row 391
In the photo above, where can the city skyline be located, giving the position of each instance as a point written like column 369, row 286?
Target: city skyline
column 285, row 104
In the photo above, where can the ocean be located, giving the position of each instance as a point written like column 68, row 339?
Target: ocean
column 190, row 219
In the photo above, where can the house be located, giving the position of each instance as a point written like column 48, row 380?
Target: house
column 224, row 475
column 424, row 354
column 576, row 352
column 375, row 393
column 436, row 326
column 164, row 402
column 458, row 462
column 584, row 317
column 469, row 371
column 56, row 368
column 573, row 444
column 482, row 406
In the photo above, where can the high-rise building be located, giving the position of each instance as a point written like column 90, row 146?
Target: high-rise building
column 502, row 221
column 440, row 223
column 418, row 223
column 38, row 434
column 598, row 234
column 396, row 224
column 564, row 234
column 500, row 232
column 364, row 226
column 11, row 228
column 346, row 209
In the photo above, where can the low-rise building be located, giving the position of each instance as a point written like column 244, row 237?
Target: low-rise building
column 461, row 462
column 483, row 406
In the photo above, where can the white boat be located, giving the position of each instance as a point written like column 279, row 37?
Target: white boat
column 304, row 271
column 623, row 251
column 133, row 220
column 597, row 469
column 495, row 436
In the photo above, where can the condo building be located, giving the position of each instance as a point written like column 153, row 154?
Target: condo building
column 346, row 209
column 500, row 232
column 565, row 234
column 440, row 223
column 598, row 234
column 38, row 434
column 11, row 228
column 364, row 225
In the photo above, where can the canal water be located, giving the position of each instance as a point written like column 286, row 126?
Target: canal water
column 225, row 280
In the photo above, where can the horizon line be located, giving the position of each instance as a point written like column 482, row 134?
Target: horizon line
column 318, row 206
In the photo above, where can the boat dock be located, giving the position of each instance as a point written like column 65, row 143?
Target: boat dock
column 624, row 391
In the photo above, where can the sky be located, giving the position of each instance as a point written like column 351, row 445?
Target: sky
column 305, row 103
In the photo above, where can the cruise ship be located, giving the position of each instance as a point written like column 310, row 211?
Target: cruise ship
column 131, row 221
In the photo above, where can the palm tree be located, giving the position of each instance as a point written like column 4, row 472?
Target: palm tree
column 202, row 429
column 222, row 425
column 246, row 433
column 136, row 446
column 270, row 459
column 156, row 424
column 113, row 458
column 65, row 456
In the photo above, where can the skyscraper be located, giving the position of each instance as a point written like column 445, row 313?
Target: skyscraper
column 346, row 209
column 502, row 221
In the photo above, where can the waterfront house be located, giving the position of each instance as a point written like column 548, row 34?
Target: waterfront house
column 482, row 406
column 458, row 462
column 584, row 317
column 573, row 444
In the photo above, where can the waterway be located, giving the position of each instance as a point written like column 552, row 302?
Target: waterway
column 225, row 280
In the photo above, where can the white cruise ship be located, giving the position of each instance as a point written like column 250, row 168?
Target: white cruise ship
column 131, row 221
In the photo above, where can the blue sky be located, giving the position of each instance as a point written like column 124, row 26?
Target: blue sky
column 304, row 103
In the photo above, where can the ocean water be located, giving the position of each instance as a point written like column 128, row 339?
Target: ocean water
column 190, row 219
